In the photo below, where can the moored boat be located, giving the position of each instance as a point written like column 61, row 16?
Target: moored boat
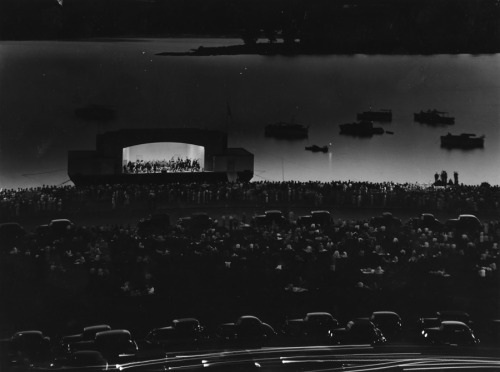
column 287, row 130
column 464, row 140
column 433, row 117
column 381, row 115
column 362, row 128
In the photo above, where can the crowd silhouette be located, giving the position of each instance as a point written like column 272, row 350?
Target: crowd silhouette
column 229, row 258
column 49, row 200
column 234, row 263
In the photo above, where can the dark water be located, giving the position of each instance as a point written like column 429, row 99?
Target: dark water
column 42, row 83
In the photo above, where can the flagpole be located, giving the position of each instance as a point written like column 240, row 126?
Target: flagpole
column 228, row 117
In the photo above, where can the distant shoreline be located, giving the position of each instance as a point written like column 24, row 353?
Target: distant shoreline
column 274, row 49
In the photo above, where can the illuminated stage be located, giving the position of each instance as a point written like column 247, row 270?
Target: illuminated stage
column 160, row 156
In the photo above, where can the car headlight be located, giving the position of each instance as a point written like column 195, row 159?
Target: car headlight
column 425, row 334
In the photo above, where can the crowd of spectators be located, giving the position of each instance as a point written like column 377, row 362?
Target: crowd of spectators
column 163, row 166
column 231, row 257
column 48, row 200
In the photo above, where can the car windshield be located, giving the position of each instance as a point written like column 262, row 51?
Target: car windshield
column 249, row 184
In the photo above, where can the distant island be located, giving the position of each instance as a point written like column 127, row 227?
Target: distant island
column 304, row 26
column 270, row 49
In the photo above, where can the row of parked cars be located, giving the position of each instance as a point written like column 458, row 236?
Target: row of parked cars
column 12, row 232
column 100, row 344
column 159, row 223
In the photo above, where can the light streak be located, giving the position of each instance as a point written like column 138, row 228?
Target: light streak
column 356, row 362
column 470, row 367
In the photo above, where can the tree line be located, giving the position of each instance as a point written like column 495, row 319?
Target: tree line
column 453, row 26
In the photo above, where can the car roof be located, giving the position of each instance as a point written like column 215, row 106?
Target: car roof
column 10, row 224
column 319, row 313
column 96, row 327
column 320, row 211
column 31, row 332
column 385, row 313
column 454, row 323
column 452, row 313
column 364, row 322
column 248, row 317
column 185, row 320
column 467, row 215
column 113, row 332
column 60, row 220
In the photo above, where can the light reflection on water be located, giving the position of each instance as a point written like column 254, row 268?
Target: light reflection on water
column 42, row 83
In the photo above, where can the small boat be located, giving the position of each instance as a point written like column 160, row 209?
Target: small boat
column 286, row 130
column 433, row 117
column 316, row 148
column 462, row 141
column 389, row 132
column 362, row 128
column 381, row 115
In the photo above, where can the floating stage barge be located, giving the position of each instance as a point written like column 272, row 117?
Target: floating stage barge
column 115, row 149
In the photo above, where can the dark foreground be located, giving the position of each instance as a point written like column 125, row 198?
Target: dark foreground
column 109, row 268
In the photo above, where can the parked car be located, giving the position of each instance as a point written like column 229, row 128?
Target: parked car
column 88, row 334
column 493, row 332
column 426, row 220
column 114, row 345
column 317, row 326
column 358, row 331
column 196, row 221
column 450, row 332
column 10, row 235
column 157, row 223
column 304, row 220
column 259, row 220
column 388, row 322
column 55, row 229
column 274, row 217
column 28, row 346
column 246, row 328
column 180, row 332
column 387, row 220
column 322, row 218
column 445, row 315
column 465, row 223
column 79, row 361
column 60, row 226
column 269, row 218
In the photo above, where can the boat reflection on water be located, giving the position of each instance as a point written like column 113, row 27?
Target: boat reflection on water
column 462, row 141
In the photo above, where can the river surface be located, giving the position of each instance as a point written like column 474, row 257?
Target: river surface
column 43, row 83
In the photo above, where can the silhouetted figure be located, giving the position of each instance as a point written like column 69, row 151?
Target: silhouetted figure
column 444, row 177
column 455, row 176
column 436, row 178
